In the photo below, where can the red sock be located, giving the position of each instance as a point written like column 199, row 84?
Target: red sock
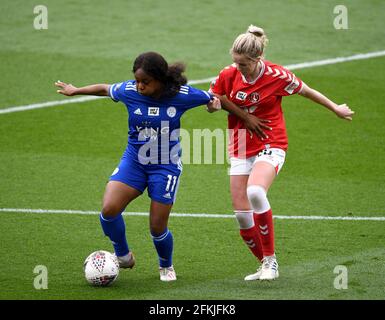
column 264, row 224
column 253, row 241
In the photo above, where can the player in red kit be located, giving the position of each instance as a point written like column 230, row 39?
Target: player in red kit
column 251, row 89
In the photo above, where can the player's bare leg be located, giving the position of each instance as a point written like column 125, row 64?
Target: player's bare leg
column 116, row 198
column 162, row 238
column 260, row 180
column 238, row 188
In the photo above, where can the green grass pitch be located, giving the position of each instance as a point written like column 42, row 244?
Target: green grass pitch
column 61, row 157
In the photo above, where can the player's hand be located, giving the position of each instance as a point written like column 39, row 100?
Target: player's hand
column 343, row 111
column 66, row 89
column 214, row 105
column 254, row 124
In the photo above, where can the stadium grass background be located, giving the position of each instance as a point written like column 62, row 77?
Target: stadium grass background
column 61, row 157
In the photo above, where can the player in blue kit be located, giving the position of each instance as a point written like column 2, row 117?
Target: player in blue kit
column 155, row 101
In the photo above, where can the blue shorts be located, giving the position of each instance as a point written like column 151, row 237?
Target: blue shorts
column 161, row 180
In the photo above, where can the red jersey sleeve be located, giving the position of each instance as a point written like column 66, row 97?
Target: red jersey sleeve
column 222, row 85
column 217, row 86
column 285, row 82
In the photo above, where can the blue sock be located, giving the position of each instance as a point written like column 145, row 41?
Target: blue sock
column 115, row 229
column 164, row 246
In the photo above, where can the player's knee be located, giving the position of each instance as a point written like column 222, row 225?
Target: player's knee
column 258, row 199
column 110, row 210
column 239, row 199
column 157, row 225
column 157, row 229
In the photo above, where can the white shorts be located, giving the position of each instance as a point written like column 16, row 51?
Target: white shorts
column 274, row 156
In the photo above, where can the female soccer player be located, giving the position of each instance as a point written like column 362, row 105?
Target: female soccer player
column 256, row 86
column 155, row 101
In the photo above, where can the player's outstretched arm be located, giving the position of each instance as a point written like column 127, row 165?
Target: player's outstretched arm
column 252, row 123
column 71, row 90
column 343, row 111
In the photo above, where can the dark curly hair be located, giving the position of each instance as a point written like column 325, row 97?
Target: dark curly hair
column 157, row 67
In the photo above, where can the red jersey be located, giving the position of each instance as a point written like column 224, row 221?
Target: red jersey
column 261, row 98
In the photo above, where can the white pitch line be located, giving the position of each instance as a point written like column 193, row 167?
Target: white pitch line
column 303, row 65
column 48, row 104
column 189, row 215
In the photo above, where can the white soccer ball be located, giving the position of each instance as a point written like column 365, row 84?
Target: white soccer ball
column 101, row 268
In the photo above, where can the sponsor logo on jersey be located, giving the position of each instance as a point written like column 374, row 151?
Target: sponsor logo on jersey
column 292, row 86
column 254, row 97
column 241, row 95
column 153, row 111
column 152, row 133
column 138, row 112
column 171, row 112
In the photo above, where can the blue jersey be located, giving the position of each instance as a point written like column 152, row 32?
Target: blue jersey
column 156, row 122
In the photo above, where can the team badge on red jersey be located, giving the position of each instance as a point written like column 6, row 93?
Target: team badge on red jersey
column 254, row 97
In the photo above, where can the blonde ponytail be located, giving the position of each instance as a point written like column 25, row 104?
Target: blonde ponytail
column 251, row 44
column 257, row 31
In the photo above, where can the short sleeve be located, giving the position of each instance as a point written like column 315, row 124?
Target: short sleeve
column 287, row 82
column 192, row 97
column 217, row 86
column 116, row 91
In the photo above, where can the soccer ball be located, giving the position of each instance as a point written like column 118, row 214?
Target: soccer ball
column 101, row 268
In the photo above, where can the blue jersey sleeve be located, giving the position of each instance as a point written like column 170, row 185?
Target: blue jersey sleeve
column 193, row 97
column 117, row 91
